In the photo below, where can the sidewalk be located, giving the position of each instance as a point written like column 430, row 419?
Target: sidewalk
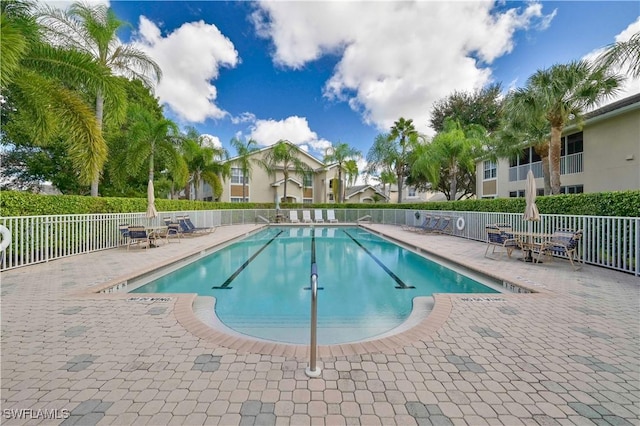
column 568, row 354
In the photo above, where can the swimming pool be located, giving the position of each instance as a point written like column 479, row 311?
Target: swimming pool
column 367, row 284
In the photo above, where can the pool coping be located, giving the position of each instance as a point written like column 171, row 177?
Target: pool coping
column 183, row 308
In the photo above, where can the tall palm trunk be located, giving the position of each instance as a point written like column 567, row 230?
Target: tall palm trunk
column 554, row 158
column 543, row 151
column 244, row 186
column 99, row 115
column 340, row 183
column 453, row 182
column 286, row 178
column 399, row 187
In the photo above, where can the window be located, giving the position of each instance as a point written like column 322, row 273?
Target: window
column 307, row 181
column 574, row 189
column 516, row 194
column 330, row 197
column 236, row 199
column 330, row 183
column 571, row 144
column 411, row 192
column 307, row 201
column 237, row 177
column 490, row 170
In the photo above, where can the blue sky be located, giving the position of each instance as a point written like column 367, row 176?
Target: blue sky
column 318, row 73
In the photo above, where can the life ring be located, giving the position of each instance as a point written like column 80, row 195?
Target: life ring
column 460, row 224
column 6, row 238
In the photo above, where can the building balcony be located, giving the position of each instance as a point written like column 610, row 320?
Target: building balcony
column 569, row 164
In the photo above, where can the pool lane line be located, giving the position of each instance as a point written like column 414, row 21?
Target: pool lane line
column 401, row 285
column 225, row 285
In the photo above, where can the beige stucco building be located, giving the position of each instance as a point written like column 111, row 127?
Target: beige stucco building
column 602, row 156
column 315, row 187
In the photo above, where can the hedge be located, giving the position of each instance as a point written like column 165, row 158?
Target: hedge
column 620, row 203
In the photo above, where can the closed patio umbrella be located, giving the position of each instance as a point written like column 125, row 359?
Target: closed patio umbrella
column 151, row 199
column 531, row 213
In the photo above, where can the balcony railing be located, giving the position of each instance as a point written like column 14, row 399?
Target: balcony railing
column 569, row 164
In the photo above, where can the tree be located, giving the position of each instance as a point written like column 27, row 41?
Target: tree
column 623, row 53
column 244, row 151
column 351, row 168
column 149, row 138
column 391, row 152
column 524, row 126
column 482, row 107
column 42, row 87
column 564, row 92
column 93, row 30
column 448, row 162
column 284, row 156
column 339, row 154
column 204, row 163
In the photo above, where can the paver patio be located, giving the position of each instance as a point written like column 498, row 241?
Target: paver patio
column 569, row 354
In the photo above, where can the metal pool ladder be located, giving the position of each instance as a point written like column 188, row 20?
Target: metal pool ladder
column 313, row 370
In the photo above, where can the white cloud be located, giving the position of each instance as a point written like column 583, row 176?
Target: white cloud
column 631, row 86
column 396, row 58
column 210, row 140
column 245, row 117
column 294, row 129
column 190, row 58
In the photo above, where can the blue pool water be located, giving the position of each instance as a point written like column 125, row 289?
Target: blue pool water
column 261, row 283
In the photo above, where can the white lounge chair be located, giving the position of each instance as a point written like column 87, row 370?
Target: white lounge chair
column 306, row 216
column 293, row 216
column 317, row 216
column 331, row 216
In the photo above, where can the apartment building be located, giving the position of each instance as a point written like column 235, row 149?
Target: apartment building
column 603, row 155
column 313, row 187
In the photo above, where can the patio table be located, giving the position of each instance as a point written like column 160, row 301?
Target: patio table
column 529, row 241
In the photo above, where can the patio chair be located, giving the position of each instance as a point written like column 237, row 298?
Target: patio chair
column 497, row 238
column 563, row 242
column 331, row 216
column 505, row 228
column 306, row 216
column 192, row 229
column 293, row 216
column 138, row 235
column 423, row 225
column 317, row 216
column 442, row 226
column 124, row 233
column 173, row 231
column 428, row 226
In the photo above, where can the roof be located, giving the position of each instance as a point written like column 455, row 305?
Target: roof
column 361, row 188
column 614, row 106
column 266, row 148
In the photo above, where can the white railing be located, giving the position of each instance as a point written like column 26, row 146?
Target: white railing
column 569, row 164
column 610, row 242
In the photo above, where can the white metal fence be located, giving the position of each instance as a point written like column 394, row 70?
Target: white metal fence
column 610, row 242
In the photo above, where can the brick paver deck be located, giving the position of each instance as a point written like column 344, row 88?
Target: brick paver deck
column 568, row 354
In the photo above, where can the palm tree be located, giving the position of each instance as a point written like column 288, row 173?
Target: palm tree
column 244, row 160
column 623, row 53
column 150, row 137
column 564, row 92
column 450, row 155
column 93, row 30
column 205, row 164
column 351, row 168
column 524, row 126
column 284, row 156
column 392, row 151
column 39, row 84
column 340, row 154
